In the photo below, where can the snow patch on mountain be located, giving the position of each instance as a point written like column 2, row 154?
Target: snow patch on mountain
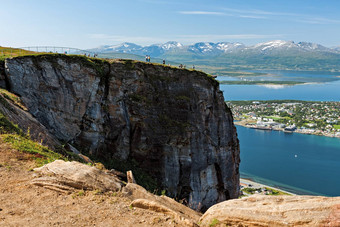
column 171, row 45
column 229, row 47
column 273, row 45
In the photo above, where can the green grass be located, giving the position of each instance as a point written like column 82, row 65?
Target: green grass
column 272, row 191
column 277, row 118
column 249, row 190
column 276, row 192
column 7, row 126
column 10, row 133
column 13, row 98
column 182, row 98
column 214, row 222
column 336, row 126
column 42, row 154
column 7, row 52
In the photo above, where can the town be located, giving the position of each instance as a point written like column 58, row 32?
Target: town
column 307, row 117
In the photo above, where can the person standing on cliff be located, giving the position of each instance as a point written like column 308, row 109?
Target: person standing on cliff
column 163, row 61
column 146, row 58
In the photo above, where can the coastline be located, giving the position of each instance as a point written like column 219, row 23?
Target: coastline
column 246, row 181
column 244, row 124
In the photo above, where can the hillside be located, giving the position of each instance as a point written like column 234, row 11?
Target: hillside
column 6, row 52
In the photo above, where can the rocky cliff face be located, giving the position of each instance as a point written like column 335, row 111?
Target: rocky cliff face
column 173, row 122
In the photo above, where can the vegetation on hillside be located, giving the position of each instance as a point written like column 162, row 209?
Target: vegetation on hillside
column 10, row 133
column 306, row 61
column 7, row 52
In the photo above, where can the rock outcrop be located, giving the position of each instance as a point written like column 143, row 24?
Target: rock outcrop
column 163, row 204
column 172, row 122
column 261, row 210
column 67, row 176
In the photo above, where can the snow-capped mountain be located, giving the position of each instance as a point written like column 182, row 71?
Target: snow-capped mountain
column 229, row 47
column 312, row 46
column 280, row 45
column 131, row 48
column 122, row 48
column 276, row 54
column 171, row 45
column 337, row 49
column 212, row 49
column 159, row 49
column 272, row 45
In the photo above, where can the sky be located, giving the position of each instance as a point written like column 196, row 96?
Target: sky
column 90, row 23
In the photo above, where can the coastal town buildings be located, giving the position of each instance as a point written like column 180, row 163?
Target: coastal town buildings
column 318, row 118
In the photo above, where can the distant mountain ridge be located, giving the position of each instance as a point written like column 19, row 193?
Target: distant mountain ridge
column 276, row 54
column 210, row 48
column 131, row 48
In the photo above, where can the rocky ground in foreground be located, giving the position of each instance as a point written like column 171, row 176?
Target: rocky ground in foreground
column 24, row 203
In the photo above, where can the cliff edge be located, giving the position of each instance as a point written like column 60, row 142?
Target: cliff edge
column 173, row 123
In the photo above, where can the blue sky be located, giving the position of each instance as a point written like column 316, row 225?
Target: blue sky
column 90, row 23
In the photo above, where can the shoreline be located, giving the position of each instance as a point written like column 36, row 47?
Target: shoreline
column 243, row 124
column 247, row 181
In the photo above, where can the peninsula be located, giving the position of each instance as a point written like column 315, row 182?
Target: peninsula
column 307, row 117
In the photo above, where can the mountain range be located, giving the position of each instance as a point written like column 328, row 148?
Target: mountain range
column 209, row 48
column 277, row 54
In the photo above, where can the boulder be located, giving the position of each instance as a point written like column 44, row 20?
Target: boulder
column 157, row 207
column 261, row 210
column 146, row 200
column 68, row 176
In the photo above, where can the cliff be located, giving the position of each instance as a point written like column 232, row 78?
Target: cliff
column 173, row 123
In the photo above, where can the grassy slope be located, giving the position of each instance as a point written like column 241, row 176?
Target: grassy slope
column 6, row 52
column 12, row 135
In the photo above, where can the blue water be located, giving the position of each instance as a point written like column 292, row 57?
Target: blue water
column 322, row 86
column 269, row 157
column 329, row 91
column 303, row 76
